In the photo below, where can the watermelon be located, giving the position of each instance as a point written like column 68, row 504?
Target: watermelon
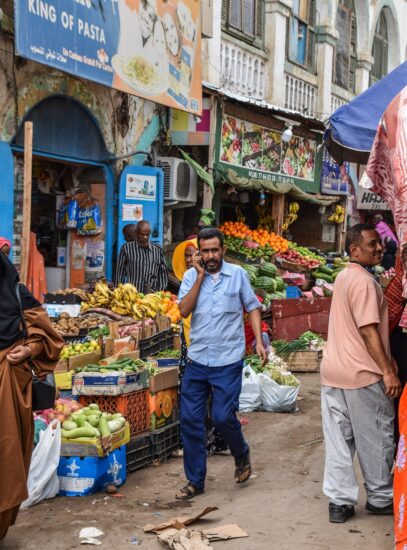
column 280, row 285
column 265, row 283
column 268, row 270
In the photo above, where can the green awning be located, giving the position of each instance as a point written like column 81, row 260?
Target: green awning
column 276, row 188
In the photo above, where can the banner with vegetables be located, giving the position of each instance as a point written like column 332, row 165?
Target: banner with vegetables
column 259, row 152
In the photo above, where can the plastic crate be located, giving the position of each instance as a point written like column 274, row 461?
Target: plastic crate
column 165, row 441
column 138, row 452
column 133, row 406
column 159, row 342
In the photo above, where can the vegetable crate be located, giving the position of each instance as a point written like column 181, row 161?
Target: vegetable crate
column 159, row 342
column 304, row 361
column 133, row 406
column 138, row 452
column 165, row 441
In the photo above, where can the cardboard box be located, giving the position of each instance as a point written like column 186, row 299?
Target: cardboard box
column 164, row 362
column 120, row 355
column 114, row 346
column 55, row 310
column 97, row 447
column 78, row 361
column 166, row 378
column 163, row 408
column 114, row 383
column 63, row 380
column 79, row 476
column 62, row 366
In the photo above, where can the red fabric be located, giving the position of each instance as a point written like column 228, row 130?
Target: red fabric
column 4, row 241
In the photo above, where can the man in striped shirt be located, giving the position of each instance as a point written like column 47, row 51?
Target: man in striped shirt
column 142, row 263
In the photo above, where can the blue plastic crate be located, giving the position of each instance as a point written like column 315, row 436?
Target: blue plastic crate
column 80, row 476
column 293, row 292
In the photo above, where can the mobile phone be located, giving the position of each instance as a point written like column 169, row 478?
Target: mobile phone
column 201, row 263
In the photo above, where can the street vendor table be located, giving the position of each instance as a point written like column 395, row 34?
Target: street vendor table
column 292, row 317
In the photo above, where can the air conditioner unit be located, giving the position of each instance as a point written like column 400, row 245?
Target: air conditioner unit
column 180, row 180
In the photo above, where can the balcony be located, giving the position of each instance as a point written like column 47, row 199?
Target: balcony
column 337, row 102
column 242, row 72
column 300, row 95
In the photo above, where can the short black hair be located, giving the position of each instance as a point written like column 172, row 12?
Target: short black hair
column 354, row 234
column 210, row 233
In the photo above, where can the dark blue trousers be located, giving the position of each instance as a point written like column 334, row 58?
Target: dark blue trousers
column 226, row 384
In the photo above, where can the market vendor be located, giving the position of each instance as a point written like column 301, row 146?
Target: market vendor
column 142, row 263
column 5, row 246
column 249, row 334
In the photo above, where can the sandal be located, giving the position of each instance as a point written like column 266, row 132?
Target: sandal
column 189, row 491
column 243, row 468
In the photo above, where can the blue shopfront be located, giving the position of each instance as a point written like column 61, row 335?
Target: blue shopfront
column 70, row 159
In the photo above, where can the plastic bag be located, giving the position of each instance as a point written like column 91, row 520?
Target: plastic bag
column 89, row 217
column 276, row 398
column 68, row 214
column 250, row 398
column 43, row 481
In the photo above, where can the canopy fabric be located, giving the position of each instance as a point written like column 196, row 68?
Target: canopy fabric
column 202, row 173
column 276, row 188
column 352, row 127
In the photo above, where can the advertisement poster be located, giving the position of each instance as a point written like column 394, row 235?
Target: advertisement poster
column 132, row 212
column 334, row 178
column 263, row 154
column 141, row 187
column 95, row 256
column 148, row 48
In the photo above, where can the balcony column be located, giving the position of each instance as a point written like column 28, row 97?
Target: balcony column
column 363, row 68
column 326, row 37
column 275, row 33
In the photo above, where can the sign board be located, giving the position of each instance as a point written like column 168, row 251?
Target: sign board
column 258, row 152
column 188, row 129
column 148, row 48
column 334, row 178
column 367, row 200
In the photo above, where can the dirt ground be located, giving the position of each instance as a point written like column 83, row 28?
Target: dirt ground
column 281, row 508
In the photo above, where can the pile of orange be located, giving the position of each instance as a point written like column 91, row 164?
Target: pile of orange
column 261, row 236
column 170, row 307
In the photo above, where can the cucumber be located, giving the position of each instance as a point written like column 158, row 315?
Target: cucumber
column 324, row 277
column 325, row 269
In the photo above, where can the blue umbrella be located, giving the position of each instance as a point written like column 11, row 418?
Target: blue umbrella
column 352, row 127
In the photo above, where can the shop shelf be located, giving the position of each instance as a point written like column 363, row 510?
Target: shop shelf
column 133, row 406
column 165, row 441
column 159, row 342
column 138, row 452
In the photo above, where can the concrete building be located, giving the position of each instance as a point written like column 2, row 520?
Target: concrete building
column 307, row 55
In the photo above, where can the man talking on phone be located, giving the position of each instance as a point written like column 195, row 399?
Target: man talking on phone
column 216, row 293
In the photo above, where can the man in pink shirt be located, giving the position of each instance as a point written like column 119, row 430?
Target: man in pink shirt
column 359, row 381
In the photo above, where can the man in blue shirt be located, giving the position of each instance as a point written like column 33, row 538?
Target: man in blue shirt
column 216, row 293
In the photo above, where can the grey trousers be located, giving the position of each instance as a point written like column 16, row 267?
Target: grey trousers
column 361, row 421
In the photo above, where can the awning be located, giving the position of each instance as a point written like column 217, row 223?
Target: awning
column 276, row 188
column 352, row 127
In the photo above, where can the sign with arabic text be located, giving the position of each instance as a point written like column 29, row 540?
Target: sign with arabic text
column 258, row 152
column 148, row 48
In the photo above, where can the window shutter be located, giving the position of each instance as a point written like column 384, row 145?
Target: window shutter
column 311, row 13
column 352, row 72
column 353, row 34
column 224, row 11
column 259, row 21
column 248, row 16
column 309, row 55
column 235, row 14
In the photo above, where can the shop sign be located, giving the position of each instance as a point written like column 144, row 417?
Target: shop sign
column 188, row 129
column 149, row 48
column 259, row 152
column 334, row 178
column 367, row 200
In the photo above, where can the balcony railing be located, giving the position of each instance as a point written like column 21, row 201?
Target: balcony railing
column 242, row 71
column 337, row 102
column 300, row 95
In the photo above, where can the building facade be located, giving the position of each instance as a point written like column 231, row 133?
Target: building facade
column 307, row 55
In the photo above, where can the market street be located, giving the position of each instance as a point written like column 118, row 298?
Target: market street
column 281, row 508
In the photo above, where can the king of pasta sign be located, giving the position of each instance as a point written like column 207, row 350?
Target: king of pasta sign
column 149, row 48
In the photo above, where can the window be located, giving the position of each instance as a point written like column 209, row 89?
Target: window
column 244, row 19
column 345, row 49
column 301, row 44
column 380, row 50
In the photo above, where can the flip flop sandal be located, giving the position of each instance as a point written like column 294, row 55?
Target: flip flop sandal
column 243, row 468
column 190, row 491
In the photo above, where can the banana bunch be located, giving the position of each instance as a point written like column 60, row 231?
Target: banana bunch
column 338, row 216
column 292, row 216
column 149, row 306
column 101, row 297
column 124, row 296
column 239, row 214
column 264, row 215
